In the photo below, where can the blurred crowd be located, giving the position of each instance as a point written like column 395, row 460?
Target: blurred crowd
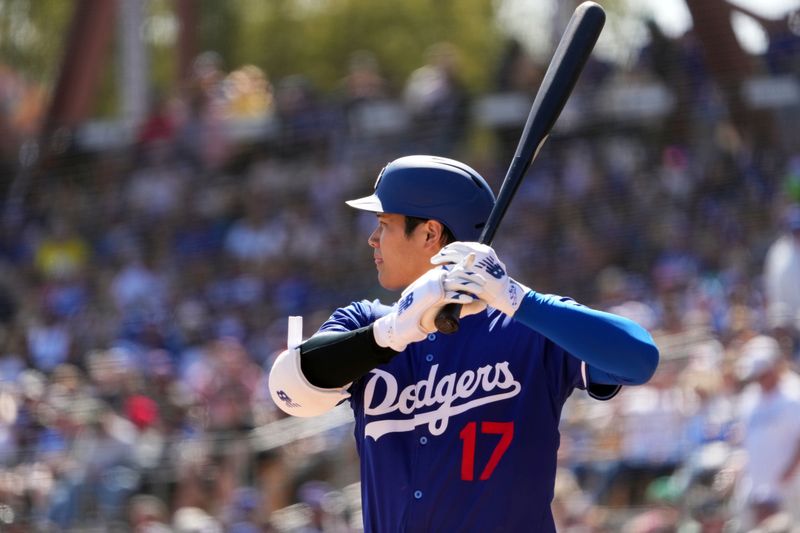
column 144, row 292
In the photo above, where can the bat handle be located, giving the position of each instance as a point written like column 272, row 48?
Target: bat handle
column 447, row 319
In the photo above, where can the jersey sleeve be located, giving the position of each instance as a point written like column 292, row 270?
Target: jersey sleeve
column 614, row 351
column 563, row 371
column 566, row 373
column 599, row 388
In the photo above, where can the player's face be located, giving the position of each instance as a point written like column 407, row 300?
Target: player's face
column 401, row 258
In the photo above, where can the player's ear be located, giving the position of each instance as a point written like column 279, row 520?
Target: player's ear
column 434, row 230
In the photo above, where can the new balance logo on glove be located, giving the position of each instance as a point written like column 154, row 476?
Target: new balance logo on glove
column 494, row 269
column 405, row 303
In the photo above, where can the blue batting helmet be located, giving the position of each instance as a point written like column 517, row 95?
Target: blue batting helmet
column 435, row 188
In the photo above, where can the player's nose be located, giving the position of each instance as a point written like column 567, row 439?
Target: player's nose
column 373, row 238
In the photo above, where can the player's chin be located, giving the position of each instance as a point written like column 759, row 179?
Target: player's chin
column 387, row 282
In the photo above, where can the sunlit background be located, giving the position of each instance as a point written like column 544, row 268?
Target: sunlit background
column 173, row 176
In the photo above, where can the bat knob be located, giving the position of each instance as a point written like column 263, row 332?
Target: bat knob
column 446, row 320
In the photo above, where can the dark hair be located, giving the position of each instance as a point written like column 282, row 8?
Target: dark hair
column 413, row 222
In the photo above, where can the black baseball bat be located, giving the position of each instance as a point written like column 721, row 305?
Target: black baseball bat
column 568, row 60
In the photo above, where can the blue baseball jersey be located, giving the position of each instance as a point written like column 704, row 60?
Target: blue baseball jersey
column 460, row 432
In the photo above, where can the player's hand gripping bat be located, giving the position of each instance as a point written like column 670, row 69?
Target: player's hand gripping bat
column 576, row 44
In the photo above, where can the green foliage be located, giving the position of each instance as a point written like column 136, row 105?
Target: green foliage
column 31, row 36
column 312, row 37
column 220, row 23
column 162, row 56
column 316, row 37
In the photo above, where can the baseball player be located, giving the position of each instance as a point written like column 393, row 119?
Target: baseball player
column 455, row 432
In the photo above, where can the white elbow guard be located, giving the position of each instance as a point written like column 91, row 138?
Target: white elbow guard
column 292, row 392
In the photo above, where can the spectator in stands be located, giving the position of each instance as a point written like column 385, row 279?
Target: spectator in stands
column 259, row 235
column 159, row 124
column 653, row 429
column 782, row 278
column 374, row 122
column 783, row 47
column 148, row 514
column 194, row 520
column 607, row 195
column 62, row 253
column 710, row 413
column 49, row 341
column 200, row 135
column 364, row 82
column 248, row 94
column 12, row 357
column 305, row 123
column 437, row 99
column 243, row 513
column 517, row 75
column 157, row 185
column 791, row 181
column 320, row 498
column 652, row 521
column 770, row 428
column 207, row 73
column 229, row 386
column 10, row 292
column 138, row 284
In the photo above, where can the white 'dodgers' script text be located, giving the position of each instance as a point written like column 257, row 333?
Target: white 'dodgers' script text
column 429, row 392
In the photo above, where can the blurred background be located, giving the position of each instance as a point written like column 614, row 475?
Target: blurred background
column 173, row 175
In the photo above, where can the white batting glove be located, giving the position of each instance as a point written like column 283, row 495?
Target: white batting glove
column 483, row 275
column 412, row 317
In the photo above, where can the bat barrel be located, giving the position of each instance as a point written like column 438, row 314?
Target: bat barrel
column 573, row 51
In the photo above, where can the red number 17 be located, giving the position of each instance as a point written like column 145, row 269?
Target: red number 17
column 469, row 436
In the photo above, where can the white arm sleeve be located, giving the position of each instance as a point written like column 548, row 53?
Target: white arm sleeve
column 291, row 391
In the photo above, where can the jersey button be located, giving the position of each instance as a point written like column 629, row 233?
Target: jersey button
column 431, row 337
column 417, row 494
column 423, row 440
column 429, row 357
